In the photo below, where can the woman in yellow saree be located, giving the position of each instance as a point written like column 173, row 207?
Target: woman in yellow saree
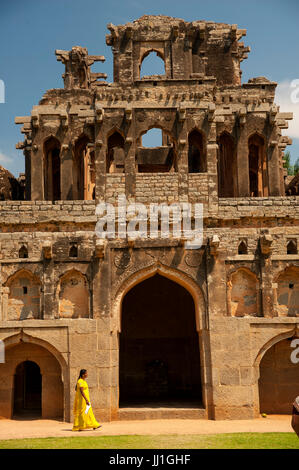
column 83, row 414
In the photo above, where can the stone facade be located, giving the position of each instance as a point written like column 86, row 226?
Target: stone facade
column 153, row 321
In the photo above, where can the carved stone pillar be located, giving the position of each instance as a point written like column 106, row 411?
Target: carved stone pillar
column 4, row 303
column 242, row 164
column 49, row 305
column 37, row 173
column 130, row 159
column 212, row 152
column 266, row 275
column 273, row 169
column 182, row 158
column 66, row 175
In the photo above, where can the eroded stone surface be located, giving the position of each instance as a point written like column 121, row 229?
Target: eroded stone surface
column 63, row 290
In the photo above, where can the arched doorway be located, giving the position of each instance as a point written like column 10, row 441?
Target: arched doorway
column 31, row 381
column 27, row 389
column 159, row 346
column 279, row 379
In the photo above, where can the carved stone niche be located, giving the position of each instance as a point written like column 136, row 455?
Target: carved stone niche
column 266, row 244
column 47, row 250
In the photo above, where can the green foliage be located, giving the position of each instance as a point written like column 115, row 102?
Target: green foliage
column 287, row 163
column 296, row 167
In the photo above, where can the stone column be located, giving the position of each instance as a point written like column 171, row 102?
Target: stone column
column 37, row 173
column 216, row 309
column 182, row 158
column 267, row 306
column 212, row 152
column 66, row 172
column 167, row 62
column 49, row 302
column 267, row 297
column 4, row 303
column 136, row 64
column 273, row 169
column 243, row 163
column 100, row 158
column 130, row 156
column 105, row 356
column 27, row 155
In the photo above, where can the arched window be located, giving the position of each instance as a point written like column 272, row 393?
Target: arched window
column 24, row 296
column 73, row 253
column 196, row 152
column 227, row 168
column 83, row 167
column 152, row 65
column 73, row 294
column 288, row 292
column 152, row 138
column 258, row 184
column 292, row 247
column 243, row 294
column 23, row 252
column 115, row 153
column 242, row 248
column 52, row 186
column 156, row 153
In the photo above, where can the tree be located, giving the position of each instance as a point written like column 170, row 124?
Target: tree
column 296, row 166
column 287, row 163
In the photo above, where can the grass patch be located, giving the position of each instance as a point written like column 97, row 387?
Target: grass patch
column 269, row 440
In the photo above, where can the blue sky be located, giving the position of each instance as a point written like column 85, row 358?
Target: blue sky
column 31, row 30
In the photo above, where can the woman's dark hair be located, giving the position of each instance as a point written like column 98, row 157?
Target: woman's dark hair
column 82, row 372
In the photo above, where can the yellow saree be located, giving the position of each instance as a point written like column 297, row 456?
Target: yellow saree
column 82, row 420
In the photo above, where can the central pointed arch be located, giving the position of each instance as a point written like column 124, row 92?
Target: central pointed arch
column 173, row 274
column 173, row 374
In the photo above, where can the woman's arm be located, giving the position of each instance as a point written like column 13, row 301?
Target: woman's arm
column 83, row 395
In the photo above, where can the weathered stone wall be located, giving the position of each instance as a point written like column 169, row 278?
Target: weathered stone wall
column 61, row 305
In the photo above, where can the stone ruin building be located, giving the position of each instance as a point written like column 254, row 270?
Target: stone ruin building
column 163, row 330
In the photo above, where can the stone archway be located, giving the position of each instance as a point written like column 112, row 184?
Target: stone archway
column 11, row 377
column 159, row 345
column 278, row 383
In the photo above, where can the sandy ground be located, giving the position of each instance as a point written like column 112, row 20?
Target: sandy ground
column 19, row 429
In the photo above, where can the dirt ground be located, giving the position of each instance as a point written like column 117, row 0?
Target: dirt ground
column 19, row 429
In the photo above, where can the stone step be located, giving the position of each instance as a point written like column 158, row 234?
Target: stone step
column 161, row 413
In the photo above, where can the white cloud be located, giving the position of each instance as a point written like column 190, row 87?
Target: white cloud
column 285, row 96
column 5, row 158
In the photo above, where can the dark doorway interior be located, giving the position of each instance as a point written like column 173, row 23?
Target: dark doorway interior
column 159, row 346
column 27, row 390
